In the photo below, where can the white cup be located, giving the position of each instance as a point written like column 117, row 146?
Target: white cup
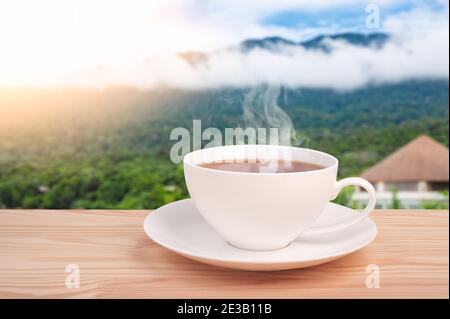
column 268, row 210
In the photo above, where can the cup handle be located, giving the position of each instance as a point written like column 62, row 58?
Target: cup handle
column 351, row 181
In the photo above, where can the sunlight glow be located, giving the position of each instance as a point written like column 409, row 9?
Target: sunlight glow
column 43, row 42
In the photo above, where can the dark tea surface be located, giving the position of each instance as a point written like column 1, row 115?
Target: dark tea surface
column 278, row 166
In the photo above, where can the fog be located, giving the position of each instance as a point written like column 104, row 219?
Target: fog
column 82, row 54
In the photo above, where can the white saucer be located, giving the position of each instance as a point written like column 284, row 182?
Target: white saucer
column 179, row 227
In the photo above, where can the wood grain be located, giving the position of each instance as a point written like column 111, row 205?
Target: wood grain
column 117, row 260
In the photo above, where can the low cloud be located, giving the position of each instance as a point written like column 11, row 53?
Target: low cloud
column 80, row 53
column 418, row 48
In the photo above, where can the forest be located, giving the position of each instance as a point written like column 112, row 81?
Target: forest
column 109, row 149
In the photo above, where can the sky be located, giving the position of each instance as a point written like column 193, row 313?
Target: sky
column 99, row 43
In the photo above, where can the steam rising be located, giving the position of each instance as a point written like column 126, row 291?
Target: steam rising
column 262, row 111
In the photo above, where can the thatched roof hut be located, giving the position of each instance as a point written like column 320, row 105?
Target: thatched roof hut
column 422, row 159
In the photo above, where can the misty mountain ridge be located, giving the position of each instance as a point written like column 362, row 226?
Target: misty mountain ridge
column 320, row 42
column 276, row 44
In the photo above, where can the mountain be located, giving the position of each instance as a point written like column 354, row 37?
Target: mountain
column 73, row 148
column 272, row 44
column 276, row 44
column 377, row 40
column 321, row 42
column 110, row 148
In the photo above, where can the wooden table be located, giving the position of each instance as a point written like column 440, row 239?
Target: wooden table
column 116, row 259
